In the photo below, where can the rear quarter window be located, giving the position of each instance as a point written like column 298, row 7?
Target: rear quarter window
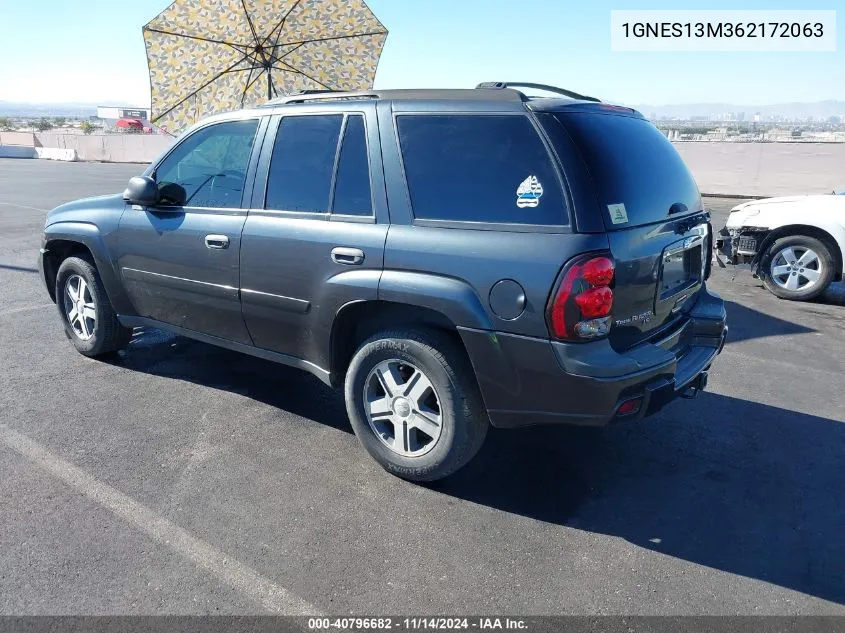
column 479, row 168
column 632, row 164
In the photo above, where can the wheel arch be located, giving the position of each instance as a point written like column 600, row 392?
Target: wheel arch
column 67, row 239
column 55, row 252
column 358, row 320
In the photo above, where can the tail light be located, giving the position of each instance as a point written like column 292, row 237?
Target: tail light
column 579, row 310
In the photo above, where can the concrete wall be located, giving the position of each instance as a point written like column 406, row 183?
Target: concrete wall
column 749, row 169
column 17, row 151
column 56, row 153
column 26, row 139
column 111, row 148
column 765, row 169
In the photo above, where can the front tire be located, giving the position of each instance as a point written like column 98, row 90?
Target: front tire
column 90, row 321
column 414, row 404
column 797, row 267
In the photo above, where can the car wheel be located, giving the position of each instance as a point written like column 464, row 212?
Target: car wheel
column 797, row 267
column 89, row 319
column 414, row 404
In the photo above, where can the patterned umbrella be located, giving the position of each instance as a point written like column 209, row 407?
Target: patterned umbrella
column 209, row 56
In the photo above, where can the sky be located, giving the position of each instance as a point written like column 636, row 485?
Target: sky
column 92, row 51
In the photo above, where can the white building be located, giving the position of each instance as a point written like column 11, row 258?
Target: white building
column 113, row 113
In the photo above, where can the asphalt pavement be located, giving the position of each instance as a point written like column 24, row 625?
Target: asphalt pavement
column 181, row 478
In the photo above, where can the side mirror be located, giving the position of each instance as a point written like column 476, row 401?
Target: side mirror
column 171, row 194
column 141, row 190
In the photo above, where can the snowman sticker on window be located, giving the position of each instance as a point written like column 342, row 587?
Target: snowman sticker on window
column 529, row 192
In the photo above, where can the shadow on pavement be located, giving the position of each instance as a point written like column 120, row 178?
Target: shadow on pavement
column 834, row 295
column 730, row 484
column 746, row 323
column 20, row 269
column 162, row 354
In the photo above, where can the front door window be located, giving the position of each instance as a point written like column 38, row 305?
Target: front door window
column 208, row 169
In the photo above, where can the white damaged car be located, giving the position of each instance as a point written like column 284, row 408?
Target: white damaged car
column 794, row 244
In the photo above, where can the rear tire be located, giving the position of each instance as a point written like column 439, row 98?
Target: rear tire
column 89, row 320
column 797, row 268
column 414, row 404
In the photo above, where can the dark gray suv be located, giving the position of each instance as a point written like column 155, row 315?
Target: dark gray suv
column 452, row 258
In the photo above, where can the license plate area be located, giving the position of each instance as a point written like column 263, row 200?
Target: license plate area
column 682, row 269
column 747, row 245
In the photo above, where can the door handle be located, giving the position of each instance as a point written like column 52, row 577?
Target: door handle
column 348, row 256
column 216, row 241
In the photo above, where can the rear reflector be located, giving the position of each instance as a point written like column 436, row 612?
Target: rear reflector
column 630, row 407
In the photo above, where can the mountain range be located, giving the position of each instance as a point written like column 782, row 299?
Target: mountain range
column 70, row 109
column 794, row 110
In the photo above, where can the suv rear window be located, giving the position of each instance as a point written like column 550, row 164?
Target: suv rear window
column 479, row 168
column 632, row 164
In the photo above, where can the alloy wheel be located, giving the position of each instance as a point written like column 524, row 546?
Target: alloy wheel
column 80, row 309
column 796, row 268
column 403, row 408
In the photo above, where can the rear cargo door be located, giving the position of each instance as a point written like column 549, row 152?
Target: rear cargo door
column 652, row 211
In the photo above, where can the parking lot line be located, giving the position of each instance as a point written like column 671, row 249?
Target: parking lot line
column 23, row 206
column 32, row 308
column 237, row 575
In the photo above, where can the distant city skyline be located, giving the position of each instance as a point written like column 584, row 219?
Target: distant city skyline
column 820, row 110
column 88, row 51
column 785, row 112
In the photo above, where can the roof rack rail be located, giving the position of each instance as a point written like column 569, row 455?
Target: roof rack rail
column 497, row 93
column 503, row 85
column 316, row 95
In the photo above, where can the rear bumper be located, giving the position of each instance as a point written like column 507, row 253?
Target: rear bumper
column 527, row 381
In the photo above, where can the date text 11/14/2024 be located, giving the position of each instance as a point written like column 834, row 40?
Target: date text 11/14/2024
column 416, row 624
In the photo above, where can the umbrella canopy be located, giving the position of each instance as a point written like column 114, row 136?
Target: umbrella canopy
column 209, row 56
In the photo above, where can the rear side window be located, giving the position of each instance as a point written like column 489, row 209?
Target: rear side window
column 632, row 164
column 479, row 168
column 302, row 165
